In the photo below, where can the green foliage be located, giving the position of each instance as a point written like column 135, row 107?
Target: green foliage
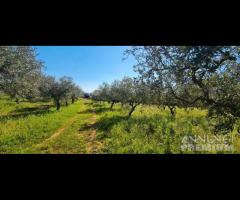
column 127, row 91
column 59, row 90
column 19, row 71
column 205, row 76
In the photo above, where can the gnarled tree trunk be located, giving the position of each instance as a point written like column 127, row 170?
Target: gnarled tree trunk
column 58, row 104
column 172, row 110
column 112, row 105
column 17, row 100
column 133, row 107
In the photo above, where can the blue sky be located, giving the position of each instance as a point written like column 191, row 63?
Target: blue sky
column 89, row 66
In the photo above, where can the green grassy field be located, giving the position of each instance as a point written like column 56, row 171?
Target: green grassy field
column 91, row 127
column 153, row 130
column 25, row 126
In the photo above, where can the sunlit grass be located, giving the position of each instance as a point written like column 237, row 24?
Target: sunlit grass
column 153, row 130
column 25, row 127
column 20, row 132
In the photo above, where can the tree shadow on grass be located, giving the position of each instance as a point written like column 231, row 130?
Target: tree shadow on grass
column 102, row 109
column 88, row 103
column 87, row 111
column 97, row 105
column 97, row 110
column 33, row 109
column 87, row 127
column 106, row 123
column 24, row 112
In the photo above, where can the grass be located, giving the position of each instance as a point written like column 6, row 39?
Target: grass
column 70, row 141
column 36, row 127
column 153, row 130
column 21, row 131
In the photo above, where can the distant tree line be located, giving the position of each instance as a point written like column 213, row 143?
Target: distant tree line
column 21, row 77
column 206, row 77
column 128, row 91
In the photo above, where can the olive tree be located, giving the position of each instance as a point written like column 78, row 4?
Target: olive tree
column 115, row 93
column 20, row 71
column 193, row 74
column 103, row 93
column 133, row 92
column 76, row 92
column 129, row 91
column 58, row 90
column 66, row 85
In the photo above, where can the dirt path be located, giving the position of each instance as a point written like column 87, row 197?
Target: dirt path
column 58, row 132
column 89, row 132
